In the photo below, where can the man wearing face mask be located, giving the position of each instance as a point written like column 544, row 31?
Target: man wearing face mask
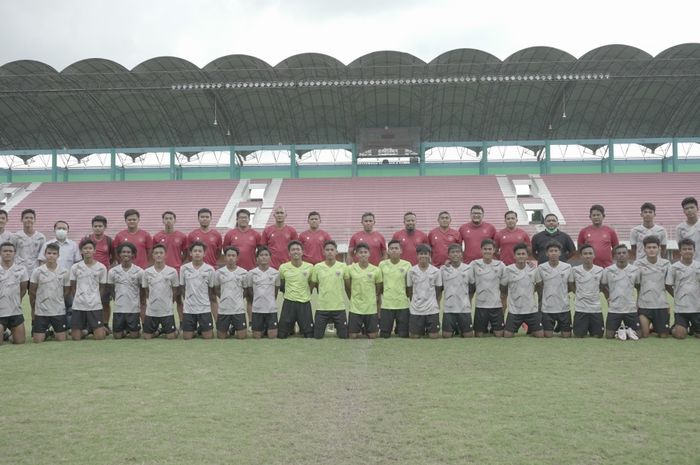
column 552, row 232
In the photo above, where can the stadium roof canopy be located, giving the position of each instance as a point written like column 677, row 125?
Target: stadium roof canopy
column 614, row 91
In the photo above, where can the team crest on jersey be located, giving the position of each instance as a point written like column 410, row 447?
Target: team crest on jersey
column 337, row 273
column 305, row 273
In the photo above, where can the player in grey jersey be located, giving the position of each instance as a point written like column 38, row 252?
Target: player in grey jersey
column 28, row 242
column 647, row 228
column 651, row 297
column 161, row 284
column 683, row 283
column 690, row 228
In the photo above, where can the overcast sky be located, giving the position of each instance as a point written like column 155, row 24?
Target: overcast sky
column 132, row 31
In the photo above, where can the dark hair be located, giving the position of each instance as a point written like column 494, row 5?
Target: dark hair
column 619, row 246
column 61, row 221
column 686, row 241
column 689, row 200
column 597, row 208
column 452, row 247
column 203, row 210
column 361, row 245
column 168, row 212
column 550, row 214
column 129, row 246
column 86, row 241
column 488, row 242
column 8, row 244
column 53, row 246
column 424, row 248
column 408, row 214
column 330, row 242
column 4, row 212
column 476, row 207
column 159, row 245
column 313, row 213
column 393, row 241
column 198, row 244
column 132, row 211
column 553, row 245
column 99, row 219
column 261, row 249
column 244, row 211
column 586, row 246
column 28, row 210
column 520, row 246
column 234, row 248
column 651, row 240
column 648, row 206
column 510, row 212
column 293, row 243
column 444, row 212
column 367, row 214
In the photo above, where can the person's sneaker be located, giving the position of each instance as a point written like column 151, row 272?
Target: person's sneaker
column 6, row 335
column 632, row 334
column 331, row 328
column 621, row 334
column 50, row 334
column 107, row 330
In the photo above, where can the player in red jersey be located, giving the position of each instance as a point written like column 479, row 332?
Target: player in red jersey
column 602, row 238
column 208, row 236
column 410, row 238
column 140, row 238
column 509, row 237
column 105, row 255
column 245, row 238
column 175, row 243
column 277, row 237
column 313, row 239
column 441, row 238
column 374, row 239
column 475, row 231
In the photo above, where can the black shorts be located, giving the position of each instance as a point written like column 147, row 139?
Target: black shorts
column 152, row 323
column 424, row 324
column 295, row 313
column 41, row 324
column 225, row 322
column 484, row 316
column 557, row 322
column 387, row 320
column 9, row 322
column 263, row 322
column 532, row 320
column 337, row 317
column 457, row 323
column 613, row 320
column 90, row 319
column 365, row 324
column 192, row 321
column 687, row 320
column 659, row 318
column 588, row 323
column 122, row 322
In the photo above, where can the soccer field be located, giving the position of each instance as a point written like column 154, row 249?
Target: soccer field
column 489, row 401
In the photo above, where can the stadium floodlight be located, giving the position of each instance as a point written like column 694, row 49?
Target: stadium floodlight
column 419, row 81
column 607, row 76
column 462, row 78
column 549, row 77
column 413, row 81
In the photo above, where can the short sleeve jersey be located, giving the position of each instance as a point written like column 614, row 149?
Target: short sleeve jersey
column 313, row 245
column 331, row 285
column 555, row 287
column 455, row 282
column 231, row 284
column 7, row 236
column 50, row 290
column 521, row 289
column 409, row 242
column 621, row 284
column 212, row 239
column 472, row 235
column 375, row 241
column 423, row 282
column 542, row 238
column 505, row 241
column 685, row 280
column 277, row 239
column 296, row 281
column 175, row 247
column 127, row 288
column 28, row 248
column 263, row 284
column 247, row 242
column 103, row 250
column 587, row 288
column 652, row 283
column 638, row 234
column 603, row 239
column 10, row 281
column 141, row 239
column 394, row 284
column 486, row 277
column 160, row 286
column 196, row 283
column 688, row 231
column 439, row 242
column 363, row 298
column 87, row 285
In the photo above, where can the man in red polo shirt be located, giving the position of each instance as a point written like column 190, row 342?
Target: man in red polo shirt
column 410, row 238
column 474, row 232
column 210, row 237
column 602, row 238
column 509, row 237
column 277, row 237
column 313, row 239
column 245, row 238
column 140, row 238
column 374, row 239
column 175, row 242
column 441, row 238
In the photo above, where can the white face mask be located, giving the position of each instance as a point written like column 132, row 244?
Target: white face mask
column 61, row 234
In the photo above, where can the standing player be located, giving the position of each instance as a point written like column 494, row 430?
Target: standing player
column 13, row 286
column 441, row 238
column 618, row 284
column 363, row 286
column 295, row 282
column 197, row 282
column 314, row 239
column 5, row 235
column 161, row 285
column 584, row 281
column 410, row 238
column 690, row 228
column 211, row 238
column 277, row 238
column 423, row 286
column 601, row 237
column 263, row 284
column 683, row 283
column 651, row 300
column 140, row 238
column 28, row 242
column 552, row 278
column 509, row 237
column 368, row 236
column 457, row 308
column 230, row 283
column 87, row 284
column 394, row 308
column 104, row 255
column 551, row 232
column 474, row 232
column 47, row 289
column 485, row 281
column 518, row 284
column 129, row 298
column 647, row 228
column 245, row 238
column 328, row 278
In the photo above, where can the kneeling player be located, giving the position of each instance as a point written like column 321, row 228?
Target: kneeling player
column 651, row 298
column 87, row 282
column 683, row 283
column 518, row 284
column 457, row 316
column 230, row 281
column 14, row 285
column 363, row 285
column 618, row 283
column 484, row 279
column 161, row 286
column 47, row 289
column 394, row 309
column 584, row 281
column 552, row 278
column 423, row 287
column 328, row 278
column 197, row 281
column 262, row 286
column 129, row 298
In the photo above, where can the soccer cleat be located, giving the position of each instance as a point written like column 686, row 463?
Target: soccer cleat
column 331, row 328
column 631, row 334
column 6, row 335
column 621, row 334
